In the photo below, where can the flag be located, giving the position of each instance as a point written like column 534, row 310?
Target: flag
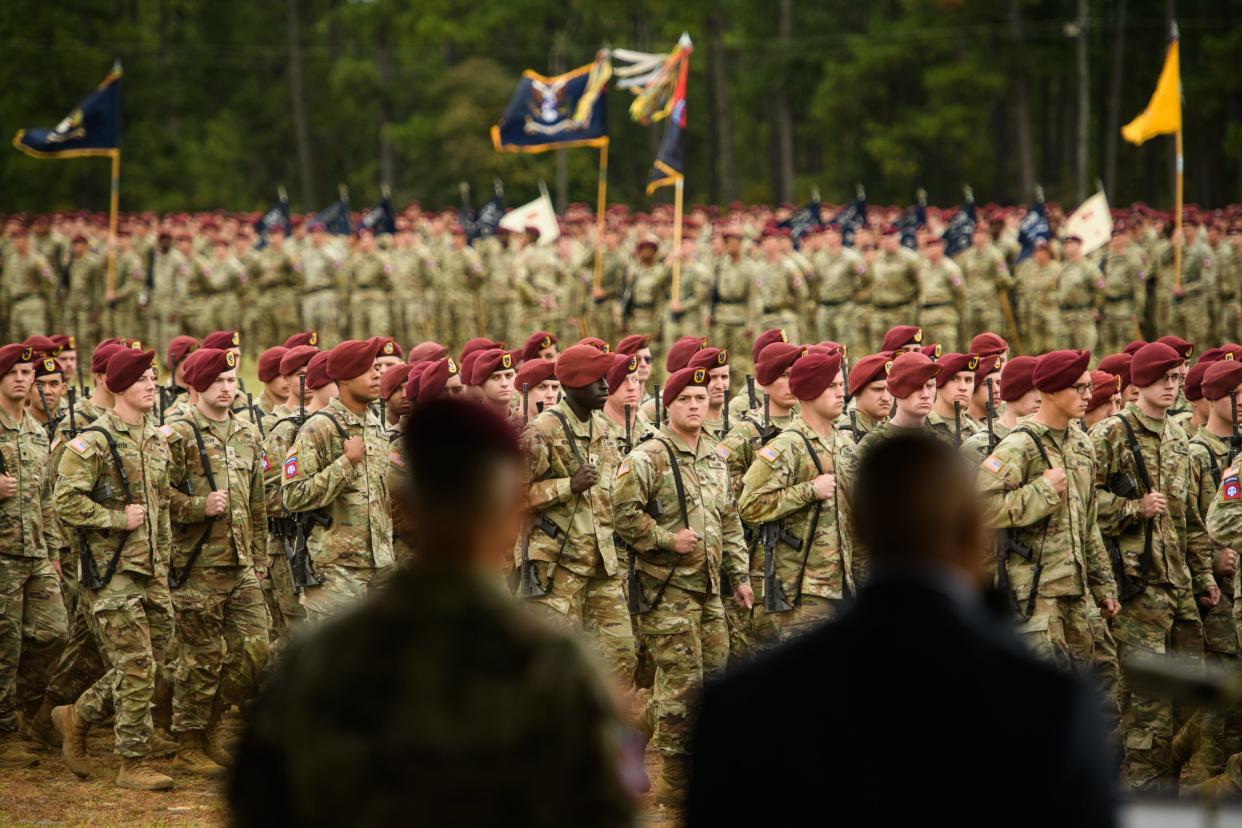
column 669, row 166
column 913, row 219
column 851, row 218
column 1163, row 114
column 485, row 221
column 1033, row 229
column 1092, row 222
column 276, row 215
column 961, row 227
column 557, row 112
column 92, row 128
column 335, row 217
column 659, row 86
column 380, row 219
column 804, row 220
column 539, row 214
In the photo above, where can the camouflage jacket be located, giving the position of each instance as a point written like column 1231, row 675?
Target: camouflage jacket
column 778, row 487
column 946, row 427
column 89, row 493
column 237, row 536
column 856, row 424
column 1209, row 459
column 887, row 430
column 644, row 484
column 1165, row 452
column 1059, row 529
column 975, row 447
column 317, row 476
column 23, row 445
column 738, row 447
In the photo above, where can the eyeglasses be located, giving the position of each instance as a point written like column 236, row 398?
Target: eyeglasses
column 647, row 360
column 1084, row 389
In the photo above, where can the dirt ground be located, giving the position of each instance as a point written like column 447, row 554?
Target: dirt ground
column 51, row 795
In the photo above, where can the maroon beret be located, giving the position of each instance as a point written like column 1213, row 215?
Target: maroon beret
column 427, row 351
column 1104, row 385
column 11, row 355
column 932, row 351
column 413, row 377
column 1212, row 355
column 222, row 340
column 1220, row 379
column 1132, row 346
column 581, row 365
column 680, row 380
column 709, row 358
column 125, row 367
column 467, row 366
column 296, row 358
column 387, row 346
column 269, row 363
column 304, row 338
column 1152, row 362
column 679, row 354
column 46, row 366
column 181, row 347
column 41, row 345
column 317, row 371
column 1117, row 365
column 208, row 363
column 596, row 343
column 535, row 371
column 1058, row 370
column 988, row 365
column 1017, row 378
column 1184, row 349
column 1232, row 350
column 622, row 366
column 765, row 339
column 479, row 343
column 66, row 342
column 352, row 358
column 952, row 364
column 909, row 372
column 490, row 362
column 633, row 343
column 433, row 380
column 813, row 373
column 536, row 342
column 901, row 336
column 393, row 378
column 103, row 351
column 1194, row 381
column 775, row 360
column 868, row 370
column 988, row 344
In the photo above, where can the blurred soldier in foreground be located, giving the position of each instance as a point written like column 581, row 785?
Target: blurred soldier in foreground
column 475, row 713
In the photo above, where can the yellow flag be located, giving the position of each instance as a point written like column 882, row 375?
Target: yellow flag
column 1163, row 114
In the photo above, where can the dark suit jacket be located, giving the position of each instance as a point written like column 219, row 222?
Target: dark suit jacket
column 917, row 705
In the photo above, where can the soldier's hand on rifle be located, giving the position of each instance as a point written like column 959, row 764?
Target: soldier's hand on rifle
column 1154, row 504
column 217, row 502
column 825, row 486
column 1210, row 598
column 599, row 294
column 745, row 596
column 1226, row 563
column 1056, row 479
column 354, row 447
column 685, row 541
column 134, row 516
column 583, row 479
column 1109, row 608
column 8, row 486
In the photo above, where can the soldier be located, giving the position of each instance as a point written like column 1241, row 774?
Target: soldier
column 463, row 279
column 941, row 295
column 955, row 384
column 84, row 275
column 30, row 283
column 1105, row 399
column 1081, row 292
column 1142, row 478
column 1039, row 483
column 1192, row 299
column 644, row 290
column 902, row 339
column 782, row 290
column 987, row 277
column 799, row 482
column 989, row 344
column 493, row 372
column 733, row 305
column 543, row 390
column 43, row 401
column 840, row 273
column 389, row 352
column 869, row 394
column 677, row 476
column 198, row 292
column 678, row 357
column 337, row 467
column 573, row 456
column 275, row 385
column 1119, row 365
column 33, row 615
column 623, row 391
column 893, row 284
column 1038, row 280
column 441, row 379
column 1197, row 415
column 66, row 354
column 122, row 307
column 745, row 399
column 716, row 361
column 277, row 287
column 987, row 385
column 540, row 345
column 322, row 285
column 113, row 481
column 163, row 309
column 217, row 509
column 392, row 392
column 912, row 385
column 1124, row 291
column 368, row 278
column 1017, row 391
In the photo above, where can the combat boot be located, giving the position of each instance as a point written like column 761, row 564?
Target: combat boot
column 39, row 727
column 1185, row 742
column 162, row 744
column 136, row 773
column 14, row 755
column 73, row 739
column 669, row 790
column 190, row 756
column 214, row 740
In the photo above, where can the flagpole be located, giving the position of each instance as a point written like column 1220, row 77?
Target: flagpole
column 677, row 201
column 600, row 202
column 1177, row 211
column 113, row 210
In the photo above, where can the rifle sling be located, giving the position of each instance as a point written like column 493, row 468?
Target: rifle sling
column 115, row 560
column 177, row 578
column 685, row 516
column 1043, row 537
column 1140, row 466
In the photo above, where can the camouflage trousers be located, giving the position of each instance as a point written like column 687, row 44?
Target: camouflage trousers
column 1079, row 328
column 864, row 341
column 686, row 636
column 222, row 645
column 834, row 322
column 594, row 604
column 369, row 314
column 884, row 318
column 750, row 630
column 786, row 320
column 342, row 586
column 1210, row 737
column 1059, row 631
column 1104, row 661
column 32, row 633
column 27, row 318
column 282, row 601
column 1117, row 329
column 1161, row 619
column 132, row 621
column 1191, row 317
column 941, row 325
column 983, row 313
column 809, row 612
column 81, row 662
column 277, row 317
column 736, row 340
column 321, row 312
column 1039, row 332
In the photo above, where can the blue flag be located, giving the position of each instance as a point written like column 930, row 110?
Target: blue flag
column 961, row 227
column 275, row 216
column 913, row 219
column 851, row 219
column 486, row 220
column 548, row 113
column 380, row 218
column 1033, row 229
column 805, row 219
column 335, row 217
column 92, row 128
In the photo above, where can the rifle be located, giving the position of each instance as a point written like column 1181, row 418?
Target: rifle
column 303, row 567
column 750, row 392
column 991, row 415
column 1235, row 439
column 256, row 413
column 88, row 573
column 301, row 399
column 1127, row 587
column 73, row 420
column 725, row 414
column 172, row 385
column 957, row 423
column 78, row 368
column 845, row 375
column 526, row 403
column 52, row 421
column 854, row 426
column 162, row 405
column 715, row 300
column 769, row 431
column 659, row 420
column 637, row 602
column 629, row 435
column 627, row 298
column 770, row 534
column 177, row 578
column 383, row 413
column 1039, row 560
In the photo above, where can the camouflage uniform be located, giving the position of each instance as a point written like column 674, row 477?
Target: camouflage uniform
column 779, row 486
column 646, row 289
column 733, row 311
column 839, row 280
column 1164, row 616
column 368, row 279
column 947, row 427
column 84, row 298
column 1192, row 313
column 221, row 619
column 578, row 564
column 123, row 313
column 887, row 431
column 1224, row 526
column 941, row 294
column 282, row 599
column 1123, row 300
column 31, row 284
column 894, row 291
column 986, row 275
column 131, row 615
column 1037, row 313
column 783, row 293
column 1080, row 294
column 321, row 293
column 164, row 307
column 277, row 288
column 685, row 629
column 32, row 613
column 352, row 555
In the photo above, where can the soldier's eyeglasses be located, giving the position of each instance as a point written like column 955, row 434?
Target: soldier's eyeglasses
column 1084, row 389
column 647, row 360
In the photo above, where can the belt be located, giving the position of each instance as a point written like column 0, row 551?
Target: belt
column 1177, row 300
column 838, row 303
column 320, row 289
column 892, row 305
column 730, row 301
column 930, row 305
column 643, row 305
column 773, row 310
column 1076, row 307
column 1122, row 298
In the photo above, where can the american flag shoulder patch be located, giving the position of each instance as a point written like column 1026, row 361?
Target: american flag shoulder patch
column 768, row 453
column 166, row 430
column 396, row 459
column 723, row 451
column 78, row 444
column 992, row 464
column 623, row 469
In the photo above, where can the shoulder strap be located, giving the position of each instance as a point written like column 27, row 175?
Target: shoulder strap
column 677, row 482
column 1039, row 444
column 202, row 452
column 569, row 435
column 340, row 429
column 116, row 458
column 1211, row 458
column 1139, row 465
column 89, row 572
column 819, row 467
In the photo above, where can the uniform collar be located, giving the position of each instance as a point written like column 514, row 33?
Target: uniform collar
column 1217, row 445
column 680, row 444
column 804, row 427
column 348, row 416
column 578, row 427
column 1150, row 423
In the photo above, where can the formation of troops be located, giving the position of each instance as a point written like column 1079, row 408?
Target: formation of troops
column 164, row 529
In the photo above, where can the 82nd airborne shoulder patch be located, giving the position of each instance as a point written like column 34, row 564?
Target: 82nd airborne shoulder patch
column 291, row 467
column 1230, row 488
